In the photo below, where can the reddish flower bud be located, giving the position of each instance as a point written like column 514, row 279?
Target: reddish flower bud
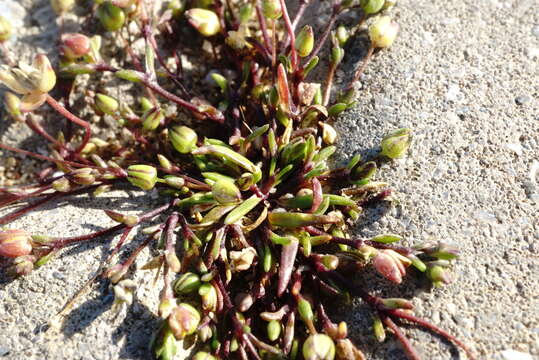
column 15, row 243
column 74, row 46
column 388, row 267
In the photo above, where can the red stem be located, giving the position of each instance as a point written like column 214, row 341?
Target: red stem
column 14, row 215
column 292, row 37
column 329, row 83
column 411, row 353
column 63, row 111
column 322, row 41
column 263, row 27
column 359, row 71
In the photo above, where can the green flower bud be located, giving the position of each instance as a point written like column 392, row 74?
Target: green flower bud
column 305, row 310
column 84, row 176
column 246, row 12
column 183, row 320
column 383, row 32
column 342, row 34
column 62, row 185
column 220, row 80
column 112, row 17
column 15, row 243
column 336, row 109
column 330, row 261
column 438, row 275
column 129, row 220
column 226, row 192
column 129, row 75
column 62, row 6
column 397, row 303
column 187, row 283
column 205, row 21
column 106, row 104
column 378, row 329
column 142, row 176
column 152, row 118
column 311, row 65
column 183, row 139
column 305, row 41
column 274, row 330
column 318, row 347
column 337, row 53
column 164, row 345
column 6, row 30
column 372, row 6
column 364, row 172
column 272, row 9
column 208, row 295
column 386, row 238
column 12, row 104
column 395, row 144
column 174, row 181
column 202, row 355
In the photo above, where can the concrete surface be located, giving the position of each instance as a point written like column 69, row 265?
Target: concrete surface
column 464, row 75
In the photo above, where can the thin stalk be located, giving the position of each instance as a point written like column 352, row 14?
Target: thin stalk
column 329, row 82
column 363, row 66
column 291, row 36
column 65, row 113
column 60, row 243
column 411, row 353
column 299, row 15
column 320, row 43
column 18, row 213
column 263, row 26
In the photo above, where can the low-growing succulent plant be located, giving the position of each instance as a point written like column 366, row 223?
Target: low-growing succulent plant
column 252, row 237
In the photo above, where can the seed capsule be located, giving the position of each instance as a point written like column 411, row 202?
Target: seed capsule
column 305, row 41
column 152, row 118
column 12, row 104
column 226, row 192
column 106, row 104
column 187, row 283
column 183, row 320
column 208, row 295
column 318, row 347
column 274, row 330
column 372, row 6
column 395, row 144
column 272, row 9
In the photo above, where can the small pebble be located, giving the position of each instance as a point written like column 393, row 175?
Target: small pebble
column 511, row 354
column 535, row 31
column 523, row 99
column 4, row 351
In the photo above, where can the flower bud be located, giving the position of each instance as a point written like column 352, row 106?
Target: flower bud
column 342, row 34
column 74, row 46
column 62, row 184
column 272, row 9
column 130, row 75
column 83, row 176
column 242, row 260
column 383, row 32
column 202, row 355
column 318, row 347
column 15, row 243
column 142, row 176
column 208, row 295
column 378, row 329
column 205, row 333
column 305, row 41
column 22, row 265
column 129, row 220
column 152, row 118
column 174, row 181
column 226, row 192
column 246, row 13
column 12, row 104
column 187, row 283
column 183, row 139
column 397, row 303
column 183, row 320
column 442, row 251
column 62, row 6
column 305, row 310
column 274, row 330
column 329, row 135
column 388, row 267
column 106, row 104
column 438, row 275
column 337, row 53
column 395, row 144
column 364, row 172
column 112, row 17
column 6, row 30
column 46, row 77
column 205, row 21
column 372, row 6
column 345, row 350
column 330, row 261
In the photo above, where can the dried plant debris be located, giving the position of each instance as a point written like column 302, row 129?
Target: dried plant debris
column 216, row 114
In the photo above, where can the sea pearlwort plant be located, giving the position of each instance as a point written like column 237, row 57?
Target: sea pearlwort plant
column 251, row 239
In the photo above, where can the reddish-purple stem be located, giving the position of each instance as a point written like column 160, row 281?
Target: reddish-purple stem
column 411, row 353
column 288, row 257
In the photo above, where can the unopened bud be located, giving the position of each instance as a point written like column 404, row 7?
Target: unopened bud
column 318, row 347
column 6, row 30
column 74, row 46
column 106, row 104
column 62, row 185
column 142, row 176
column 272, row 9
column 336, row 109
column 397, row 303
column 395, row 144
column 305, row 41
column 329, row 135
column 183, row 320
column 112, row 17
column 62, row 6
column 183, row 139
column 47, row 76
column 372, row 6
column 130, row 75
column 152, row 118
column 342, row 35
column 83, row 176
column 174, row 181
column 12, row 104
column 226, row 192
column 246, row 12
column 274, row 330
column 305, row 310
column 205, row 333
column 205, row 21
column 165, row 307
column 187, row 283
column 337, row 53
column 208, row 295
column 202, row 355
column 388, row 267
column 330, row 261
column 383, row 32
column 438, row 275
column 378, row 329
column 364, row 172
column 129, row 220
column 15, row 243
